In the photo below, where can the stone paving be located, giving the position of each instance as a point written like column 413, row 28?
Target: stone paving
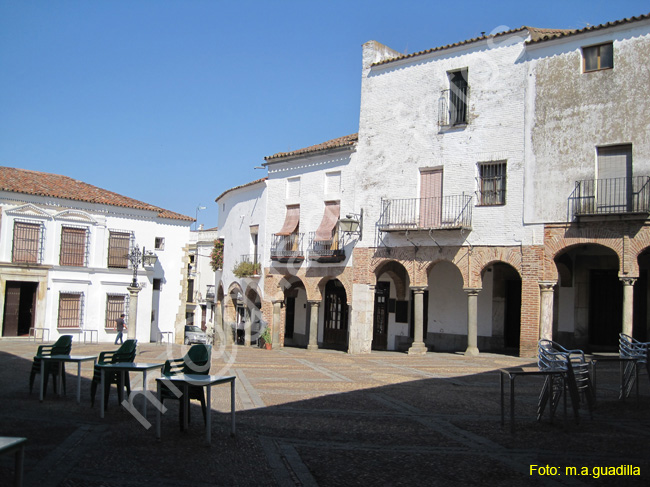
column 326, row 418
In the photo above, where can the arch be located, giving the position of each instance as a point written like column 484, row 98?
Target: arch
column 484, row 257
column 399, row 275
column 75, row 215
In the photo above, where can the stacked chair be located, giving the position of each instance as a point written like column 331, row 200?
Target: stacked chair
column 197, row 362
column 631, row 348
column 61, row 347
column 126, row 354
column 572, row 379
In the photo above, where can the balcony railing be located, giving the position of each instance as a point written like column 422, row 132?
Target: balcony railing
column 285, row 248
column 616, row 196
column 209, row 293
column 440, row 213
column 251, row 258
column 326, row 250
column 453, row 106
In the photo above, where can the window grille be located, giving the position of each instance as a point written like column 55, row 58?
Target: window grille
column 74, row 246
column 492, row 186
column 116, row 304
column 70, row 310
column 27, row 242
column 119, row 245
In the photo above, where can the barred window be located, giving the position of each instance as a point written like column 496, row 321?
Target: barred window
column 70, row 310
column 27, row 243
column 118, row 249
column 74, row 246
column 492, row 183
column 116, row 305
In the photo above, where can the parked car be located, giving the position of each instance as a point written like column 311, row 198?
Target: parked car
column 194, row 334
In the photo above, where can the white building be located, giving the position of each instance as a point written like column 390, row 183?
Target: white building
column 64, row 259
column 201, row 279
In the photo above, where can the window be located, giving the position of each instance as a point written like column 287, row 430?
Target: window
column 70, row 310
column 190, row 290
column 116, row 305
column 492, row 183
column 159, row 243
column 118, row 249
column 27, row 242
column 598, row 57
column 453, row 106
column 73, row 246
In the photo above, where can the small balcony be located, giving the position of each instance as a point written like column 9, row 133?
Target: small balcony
column 209, row 293
column 326, row 251
column 627, row 198
column 287, row 248
column 249, row 265
column 439, row 213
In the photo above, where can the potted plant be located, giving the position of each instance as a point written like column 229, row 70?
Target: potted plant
column 216, row 257
column 247, row 269
column 266, row 338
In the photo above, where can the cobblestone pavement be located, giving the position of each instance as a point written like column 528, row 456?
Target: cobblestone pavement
column 322, row 418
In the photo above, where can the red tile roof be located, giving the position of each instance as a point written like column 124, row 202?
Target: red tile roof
column 56, row 186
column 239, row 187
column 346, row 141
column 536, row 35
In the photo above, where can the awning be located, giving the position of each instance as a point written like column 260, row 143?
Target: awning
column 330, row 217
column 291, row 220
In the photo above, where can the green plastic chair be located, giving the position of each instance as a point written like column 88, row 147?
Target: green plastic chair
column 196, row 361
column 61, row 347
column 126, row 353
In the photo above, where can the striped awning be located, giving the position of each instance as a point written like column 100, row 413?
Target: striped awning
column 291, row 220
column 327, row 225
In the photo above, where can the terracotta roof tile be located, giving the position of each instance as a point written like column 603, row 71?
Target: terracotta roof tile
column 346, row 141
column 56, row 186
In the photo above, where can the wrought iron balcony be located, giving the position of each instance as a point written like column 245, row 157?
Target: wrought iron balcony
column 616, row 196
column 440, row 213
column 326, row 250
column 209, row 293
column 285, row 248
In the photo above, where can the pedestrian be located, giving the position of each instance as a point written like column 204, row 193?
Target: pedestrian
column 120, row 326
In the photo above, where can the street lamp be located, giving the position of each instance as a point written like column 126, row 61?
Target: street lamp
column 135, row 257
column 352, row 224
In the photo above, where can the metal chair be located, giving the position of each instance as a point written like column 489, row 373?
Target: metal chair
column 573, row 378
column 631, row 348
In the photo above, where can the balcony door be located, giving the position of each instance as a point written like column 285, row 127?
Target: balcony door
column 614, row 192
column 430, row 198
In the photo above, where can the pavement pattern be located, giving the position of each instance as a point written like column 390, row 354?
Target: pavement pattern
column 323, row 418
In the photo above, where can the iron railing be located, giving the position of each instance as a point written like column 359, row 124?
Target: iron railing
column 610, row 196
column 439, row 213
column 250, row 258
column 326, row 250
column 209, row 292
column 453, row 106
column 287, row 246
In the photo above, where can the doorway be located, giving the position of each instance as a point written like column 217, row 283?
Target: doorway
column 20, row 303
column 335, row 334
column 380, row 321
column 605, row 307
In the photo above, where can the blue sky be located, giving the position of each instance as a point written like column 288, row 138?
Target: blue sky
column 172, row 102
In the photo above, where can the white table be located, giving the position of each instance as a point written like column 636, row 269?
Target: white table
column 123, row 368
column 184, row 381
column 61, row 359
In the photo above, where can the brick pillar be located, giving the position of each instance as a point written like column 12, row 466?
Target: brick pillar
column 277, row 320
column 532, row 269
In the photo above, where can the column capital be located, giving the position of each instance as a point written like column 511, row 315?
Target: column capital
column 313, row 302
column 134, row 289
column 277, row 301
column 472, row 291
column 628, row 281
column 418, row 289
column 545, row 286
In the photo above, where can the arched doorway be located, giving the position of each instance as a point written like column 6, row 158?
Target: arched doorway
column 445, row 310
column 390, row 329
column 335, row 329
column 588, row 303
column 296, row 315
column 641, row 322
column 504, row 282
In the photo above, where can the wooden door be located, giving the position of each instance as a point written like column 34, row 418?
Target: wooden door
column 12, row 309
column 335, row 333
column 431, row 198
column 380, row 317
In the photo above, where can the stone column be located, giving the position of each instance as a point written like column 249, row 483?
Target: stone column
column 546, row 310
column 247, row 327
column 277, row 320
column 133, row 312
column 223, row 334
column 472, row 321
column 628, row 304
column 418, row 347
column 313, row 325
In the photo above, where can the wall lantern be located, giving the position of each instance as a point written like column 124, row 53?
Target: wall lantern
column 149, row 259
column 352, row 224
